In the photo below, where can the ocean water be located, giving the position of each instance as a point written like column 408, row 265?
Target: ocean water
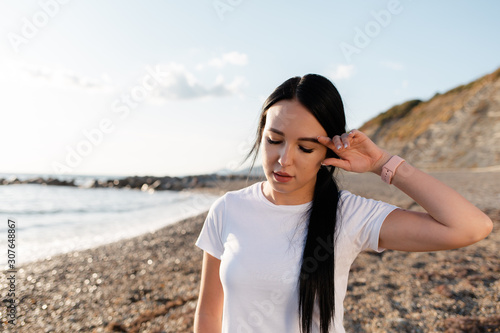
column 58, row 219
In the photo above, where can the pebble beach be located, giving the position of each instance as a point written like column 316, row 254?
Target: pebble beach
column 150, row 283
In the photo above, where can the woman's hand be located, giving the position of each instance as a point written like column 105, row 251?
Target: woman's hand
column 356, row 151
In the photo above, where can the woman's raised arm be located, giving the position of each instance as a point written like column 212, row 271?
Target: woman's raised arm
column 450, row 220
column 208, row 315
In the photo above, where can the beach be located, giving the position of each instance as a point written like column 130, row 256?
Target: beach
column 150, row 283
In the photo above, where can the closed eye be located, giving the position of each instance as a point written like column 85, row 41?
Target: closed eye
column 272, row 141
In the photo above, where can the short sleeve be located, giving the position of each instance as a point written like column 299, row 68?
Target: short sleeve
column 210, row 238
column 362, row 220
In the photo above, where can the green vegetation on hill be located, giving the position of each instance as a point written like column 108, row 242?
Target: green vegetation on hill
column 394, row 113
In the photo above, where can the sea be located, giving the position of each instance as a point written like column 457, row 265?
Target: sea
column 50, row 220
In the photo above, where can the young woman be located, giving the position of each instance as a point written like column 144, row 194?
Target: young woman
column 277, row 253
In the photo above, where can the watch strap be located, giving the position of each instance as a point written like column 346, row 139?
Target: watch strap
column 389, row 169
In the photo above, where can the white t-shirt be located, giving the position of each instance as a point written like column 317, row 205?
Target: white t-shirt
column 260, row 246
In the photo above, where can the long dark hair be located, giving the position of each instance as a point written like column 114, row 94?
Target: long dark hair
column 316, row 280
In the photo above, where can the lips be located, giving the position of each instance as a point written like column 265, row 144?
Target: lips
column 282, row 177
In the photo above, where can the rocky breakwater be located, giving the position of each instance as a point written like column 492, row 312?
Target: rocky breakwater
column 146, row 183
column 150, row 183
column 37, row 180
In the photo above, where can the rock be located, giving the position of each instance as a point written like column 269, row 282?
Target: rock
column 156, row 184
column 444, row 290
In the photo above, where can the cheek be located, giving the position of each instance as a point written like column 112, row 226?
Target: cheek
column 311, row 164
column 319, row 156
column 268, row 154
column 317, row 164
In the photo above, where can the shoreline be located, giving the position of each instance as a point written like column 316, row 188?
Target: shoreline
column 46, row 231
column 150, row 283
column 142, row 183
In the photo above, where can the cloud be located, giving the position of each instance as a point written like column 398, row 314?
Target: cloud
column 392, row 65
column 231, row 58
column 176, row 82
column 342, row 72
column 64, row 78
column 181, row 84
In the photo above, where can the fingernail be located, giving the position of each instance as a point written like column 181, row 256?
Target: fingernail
column 345, row 145
column 339, row 147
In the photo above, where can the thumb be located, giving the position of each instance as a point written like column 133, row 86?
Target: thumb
column 337, row 162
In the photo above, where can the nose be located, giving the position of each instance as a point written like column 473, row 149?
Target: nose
column 286, row 155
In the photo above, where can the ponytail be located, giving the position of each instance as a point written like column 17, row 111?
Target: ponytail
column 317, row 272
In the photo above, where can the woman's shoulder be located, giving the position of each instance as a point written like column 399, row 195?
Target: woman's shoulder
column 346, row 196
column 240, row 194
column 244, row 192
column 353, row 202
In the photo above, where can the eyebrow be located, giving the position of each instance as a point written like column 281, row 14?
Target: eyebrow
column 315, row 140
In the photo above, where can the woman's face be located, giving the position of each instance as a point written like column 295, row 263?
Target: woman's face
column 291, row 155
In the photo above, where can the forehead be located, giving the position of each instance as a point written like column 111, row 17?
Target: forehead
column 289, row 116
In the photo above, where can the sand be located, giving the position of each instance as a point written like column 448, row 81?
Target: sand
column 150, row 283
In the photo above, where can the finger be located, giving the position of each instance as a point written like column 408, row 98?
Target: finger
column 356, row 133
column 337, row 142
column 336, row 162
column 345, row 140
column 326, row 141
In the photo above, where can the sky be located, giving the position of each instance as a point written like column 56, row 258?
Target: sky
column 124, row 87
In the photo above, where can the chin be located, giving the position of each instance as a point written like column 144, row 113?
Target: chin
column 281, row 187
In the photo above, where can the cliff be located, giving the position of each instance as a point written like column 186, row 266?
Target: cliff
column 455, row 130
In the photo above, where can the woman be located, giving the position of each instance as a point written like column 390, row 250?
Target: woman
column 277, row 253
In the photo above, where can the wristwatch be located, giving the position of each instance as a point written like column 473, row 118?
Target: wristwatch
column 389, row 169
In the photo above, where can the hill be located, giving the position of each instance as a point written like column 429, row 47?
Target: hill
column 454, row 130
